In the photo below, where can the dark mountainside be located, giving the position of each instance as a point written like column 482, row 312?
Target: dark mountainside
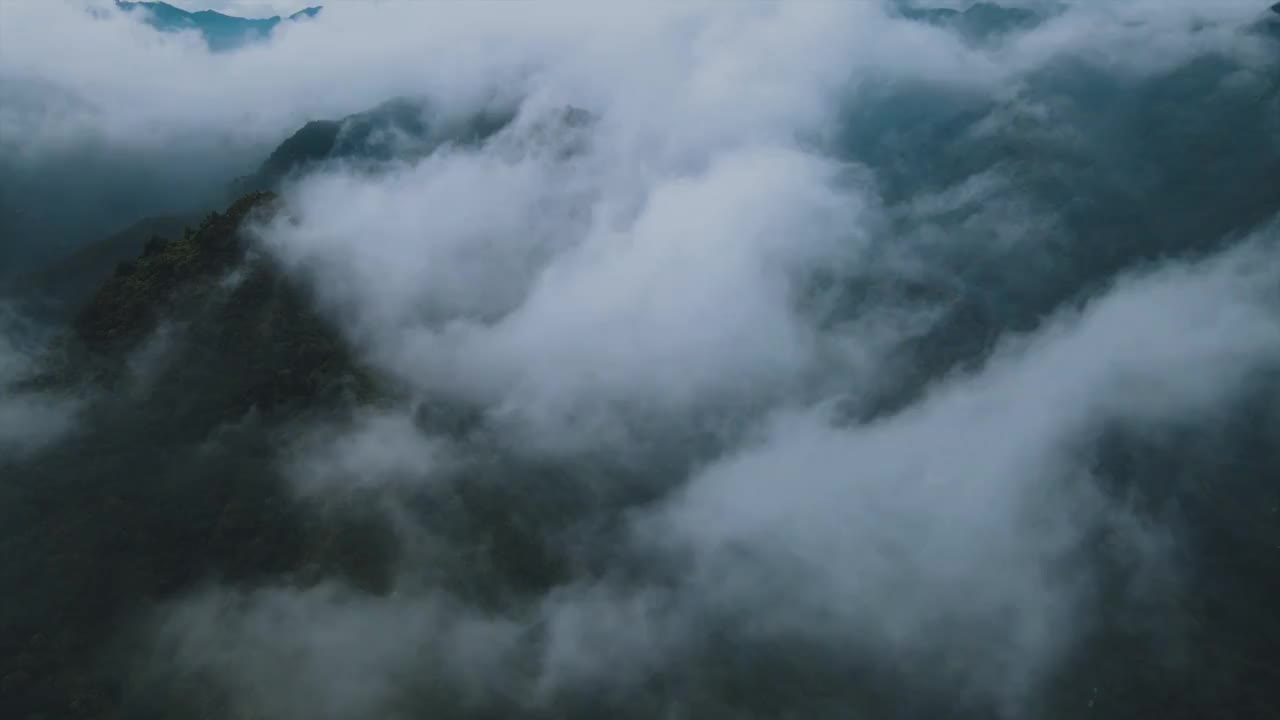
column 67, row 284
column 200, row 361
column 1177, row 184
column 221, row 32
column 397, row 131
column 400, row 130
column 157, row 508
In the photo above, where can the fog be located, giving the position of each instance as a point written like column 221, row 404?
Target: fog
column 831, row 363
column 31, row 417
column 954, row 540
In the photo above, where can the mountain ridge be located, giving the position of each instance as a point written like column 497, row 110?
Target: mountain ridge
column 220, row 31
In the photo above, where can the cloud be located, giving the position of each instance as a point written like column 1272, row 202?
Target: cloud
column 348, row 654
column 495, row 305
column 685, row 267
column 31, row 418
column 375, row 451
column 957, row 526
column 954, row 541
column 127, row 121
column 137, row 87
column 741, row 399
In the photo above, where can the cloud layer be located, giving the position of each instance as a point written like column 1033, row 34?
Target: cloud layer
column 781, row 380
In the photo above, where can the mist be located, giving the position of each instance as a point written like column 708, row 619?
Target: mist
column 768, row 360
column 31, row 415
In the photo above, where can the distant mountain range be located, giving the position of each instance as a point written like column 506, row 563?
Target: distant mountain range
column 979, row 22
column 221, row 32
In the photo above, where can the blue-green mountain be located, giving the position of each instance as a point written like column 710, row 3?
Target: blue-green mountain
column 221, row 32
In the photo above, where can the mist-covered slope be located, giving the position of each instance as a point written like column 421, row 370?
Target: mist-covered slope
column 397, row 131
column 132, row 502
column 882, row 360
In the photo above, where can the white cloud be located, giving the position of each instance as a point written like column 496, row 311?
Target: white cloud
column 660, row 273
column 729, row 65
column 954, row 529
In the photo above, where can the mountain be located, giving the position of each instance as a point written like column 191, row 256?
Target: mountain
column 980, row 22
column 67, row 283
column 395, row 131
column 401, row 129
column 221, row 32
column 139, row 505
